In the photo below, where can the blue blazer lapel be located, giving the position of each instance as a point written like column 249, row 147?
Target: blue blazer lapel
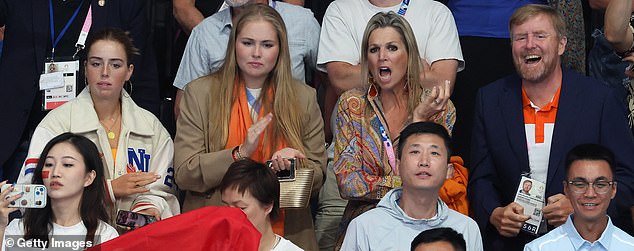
column 511, row 107
column 568, row 110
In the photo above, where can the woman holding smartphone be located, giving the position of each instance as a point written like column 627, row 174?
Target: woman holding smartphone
column 72, row 172
column 250, row 108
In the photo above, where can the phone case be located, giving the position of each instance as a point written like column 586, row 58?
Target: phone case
column 285, row 175
column 133, row 220
column 34, row 195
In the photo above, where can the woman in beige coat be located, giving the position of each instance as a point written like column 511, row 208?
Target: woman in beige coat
column 250, row 108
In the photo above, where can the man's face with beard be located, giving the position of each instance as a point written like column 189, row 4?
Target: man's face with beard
column 536, row 48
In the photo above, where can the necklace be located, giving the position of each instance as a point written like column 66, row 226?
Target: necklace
column 110, row 133
column 277, row 241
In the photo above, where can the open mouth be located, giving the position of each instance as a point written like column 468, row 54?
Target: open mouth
column 385, row 73
column 532, row 59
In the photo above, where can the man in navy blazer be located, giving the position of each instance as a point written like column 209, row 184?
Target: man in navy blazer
column 506, row 145
column 27, row 36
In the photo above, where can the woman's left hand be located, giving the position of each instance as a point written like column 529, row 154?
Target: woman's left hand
column 432, row 103
column 152, row 211
column 279, row 160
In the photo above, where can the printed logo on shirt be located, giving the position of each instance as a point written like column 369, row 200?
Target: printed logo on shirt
column 169, row 178
column 138, row 161
column 30, row 165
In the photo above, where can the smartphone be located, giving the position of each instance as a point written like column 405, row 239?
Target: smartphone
column 285, row 175
column 133, row 220
column 34, row 195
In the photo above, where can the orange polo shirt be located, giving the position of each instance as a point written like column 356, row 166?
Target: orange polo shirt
column 540, row 116
column 539, row 124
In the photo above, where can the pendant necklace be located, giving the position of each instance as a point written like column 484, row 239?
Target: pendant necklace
column 110, row 133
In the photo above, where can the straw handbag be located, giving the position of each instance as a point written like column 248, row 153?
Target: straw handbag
column 296, row 193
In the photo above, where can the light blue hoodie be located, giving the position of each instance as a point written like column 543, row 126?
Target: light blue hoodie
column 387, row 227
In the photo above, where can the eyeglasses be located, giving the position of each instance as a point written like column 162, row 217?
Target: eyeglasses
column 581, row 186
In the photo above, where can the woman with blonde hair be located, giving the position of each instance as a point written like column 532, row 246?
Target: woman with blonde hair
column 250, row 108
column 369, row 119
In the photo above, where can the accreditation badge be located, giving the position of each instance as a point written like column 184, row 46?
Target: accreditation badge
column 530, row 195
column 58, row 83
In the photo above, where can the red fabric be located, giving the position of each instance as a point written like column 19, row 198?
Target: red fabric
column 208, row 228
column 454, row 190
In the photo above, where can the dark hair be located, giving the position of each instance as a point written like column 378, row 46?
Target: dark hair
column 260, row 181
column 440, row 234
column 116, row 35
column 424, row 128
column 525, row 181
column 590, row 152
column 39, row 222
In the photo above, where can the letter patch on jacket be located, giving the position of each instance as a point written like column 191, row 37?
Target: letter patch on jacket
column 138, row 161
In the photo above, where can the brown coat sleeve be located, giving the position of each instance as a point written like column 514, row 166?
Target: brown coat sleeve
column 313, row 136
column 199, row 167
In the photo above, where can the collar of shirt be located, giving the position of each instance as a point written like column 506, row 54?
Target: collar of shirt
column 554, row 103
column 578, row 241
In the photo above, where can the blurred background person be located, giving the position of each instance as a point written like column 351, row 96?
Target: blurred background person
column 370, row 118
column 72, row 172
column 251, row 108
column 620, row 34
column 137, row 150
column 254, row 188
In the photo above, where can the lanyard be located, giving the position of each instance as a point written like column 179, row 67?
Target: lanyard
column 54, row 40
column 83, row 34
column 403, row 9
column 387, row 143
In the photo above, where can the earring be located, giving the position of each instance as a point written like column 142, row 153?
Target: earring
column 129, row 83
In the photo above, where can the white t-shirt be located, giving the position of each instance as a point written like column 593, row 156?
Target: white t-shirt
column 104, row 232
column 345, row 21
column 286, row 245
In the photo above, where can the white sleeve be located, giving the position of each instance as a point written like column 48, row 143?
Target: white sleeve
column 106, row 233
column 474, row 243
column 443, row 41
column 14, row 231
column 40, row 138
column 195, row 61
column 336, row 42
column 162, row 192
column 355, row 238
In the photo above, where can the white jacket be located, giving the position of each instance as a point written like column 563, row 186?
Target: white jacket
column 144, row 145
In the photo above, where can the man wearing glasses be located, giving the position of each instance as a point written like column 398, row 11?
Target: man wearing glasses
column 590, row 186
column 525, row 124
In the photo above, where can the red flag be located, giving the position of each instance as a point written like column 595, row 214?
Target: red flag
column 208, row 228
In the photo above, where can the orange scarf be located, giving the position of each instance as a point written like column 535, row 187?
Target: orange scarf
column 454, row 190
column 239, row 123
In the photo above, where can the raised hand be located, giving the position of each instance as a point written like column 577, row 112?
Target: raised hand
column 432, row 102
column 253, row 135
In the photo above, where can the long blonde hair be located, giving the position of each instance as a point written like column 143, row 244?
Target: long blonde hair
column 413, row 82
column 287, row 115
